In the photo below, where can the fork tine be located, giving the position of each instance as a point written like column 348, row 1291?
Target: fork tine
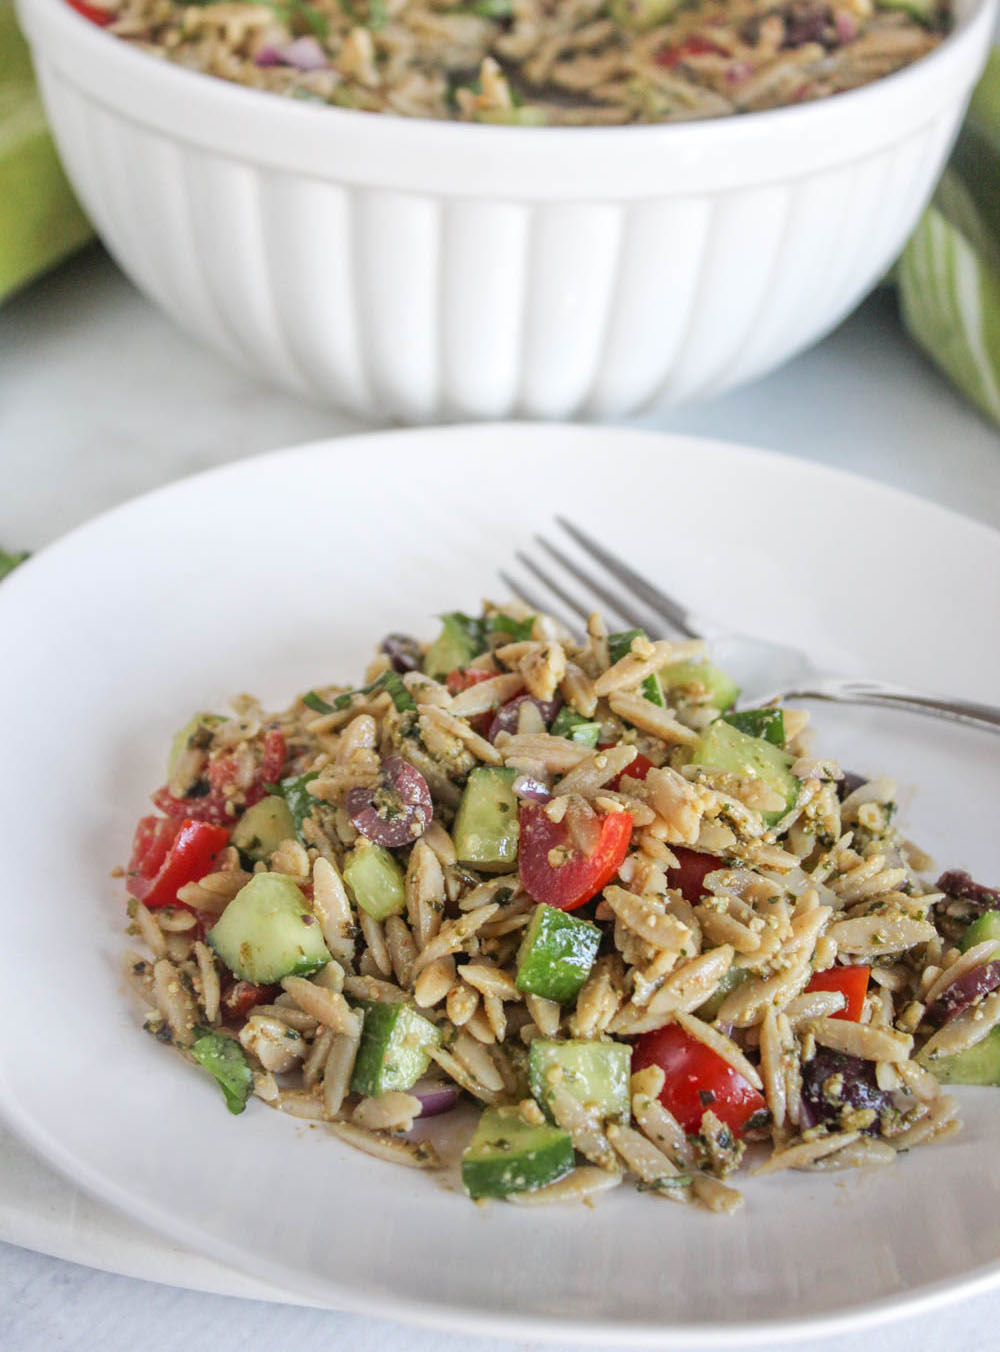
column 665, row 606
column 547, row 580
column 525, row 594
column 603, row 593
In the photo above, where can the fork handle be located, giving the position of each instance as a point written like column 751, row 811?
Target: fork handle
column 848, row 691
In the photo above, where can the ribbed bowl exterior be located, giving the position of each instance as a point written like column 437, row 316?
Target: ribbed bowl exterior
column 444, row 303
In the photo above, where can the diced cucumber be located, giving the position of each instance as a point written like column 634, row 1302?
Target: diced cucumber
column 223, row 1057
column 375, row 880
column 395, row 1048
column 268, row 931
column 595, row 1073
column 726, row 748
column 570, row 724
column 263, row 827
column 619, row 645
column 556, row 954
column 986, row 926
column 924, row 11
column 300, row 801
column 766, row 723
column 516, row 631
column 198, row 731
column 703, row 680
column 460, row 640
column 508, row 1155
column 486, row 827
column 727, row 983
column 979, row 1064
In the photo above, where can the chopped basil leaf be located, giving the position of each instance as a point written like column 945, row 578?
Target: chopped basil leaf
column 519, row 630
column 619, row 645
column 578, row 729
column 223, row 1058
column 389, row 680
column 296, row 794
column 313, row 701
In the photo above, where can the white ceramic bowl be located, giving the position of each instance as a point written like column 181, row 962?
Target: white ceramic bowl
column 422, row 270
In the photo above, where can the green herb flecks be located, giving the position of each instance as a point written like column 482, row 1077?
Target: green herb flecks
column 8, row 562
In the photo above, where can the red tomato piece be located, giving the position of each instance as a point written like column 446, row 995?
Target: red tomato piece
column 463, row 677
column 102, row 17
column 242, row 996
column 852, row 982
column 214, row 806
column 167, row 854
column 693, row 46
column 689, row 876
column 696, row 1079
column 578, row 877
column 639, row 769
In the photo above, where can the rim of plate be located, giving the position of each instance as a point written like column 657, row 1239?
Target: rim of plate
column 547, row 1328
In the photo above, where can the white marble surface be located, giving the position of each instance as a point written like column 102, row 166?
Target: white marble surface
column 100, row 399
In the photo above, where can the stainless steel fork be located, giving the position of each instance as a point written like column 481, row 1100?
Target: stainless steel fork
column 765, row 671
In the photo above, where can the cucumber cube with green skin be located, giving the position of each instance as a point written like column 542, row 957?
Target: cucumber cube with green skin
column 575, row 727
column 979, row 1064
column 395, row 1048
column 724, row 747
column 727, row 983
column 595, row 1073
column 460, row 640
column 507, row 1155
column 556, row 955
column 268, row 932
column 703, row 679
column 375, row 880
column 486, row 828
column 986, row 926
column 263, row 827
column 224, row 1059
column 197, row 731
column 766, row 723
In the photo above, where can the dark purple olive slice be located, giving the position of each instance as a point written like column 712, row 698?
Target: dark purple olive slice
column 960, row 886
column 403, row 652
column 506, row 717
column 850, row 782
column 834, row 1082
column 397, row 810
column 964, row 992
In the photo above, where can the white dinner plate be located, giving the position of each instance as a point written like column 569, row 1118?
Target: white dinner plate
column 282, row 572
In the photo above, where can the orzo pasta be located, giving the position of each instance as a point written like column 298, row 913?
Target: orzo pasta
column 639, row 944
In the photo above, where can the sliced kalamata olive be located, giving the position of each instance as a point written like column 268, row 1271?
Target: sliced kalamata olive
column 960, row 886
column 833, row 1082
column 403, row 652
column 805, row 22
column 508, row 715
column 964, row 992
column 849, row 784
column 397, row 810
column 527, row 786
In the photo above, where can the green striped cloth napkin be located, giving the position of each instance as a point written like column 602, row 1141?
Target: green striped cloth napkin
column 40, row 221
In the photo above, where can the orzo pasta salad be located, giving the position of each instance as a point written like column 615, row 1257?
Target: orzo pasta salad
column 566, row 880
column 537, row 62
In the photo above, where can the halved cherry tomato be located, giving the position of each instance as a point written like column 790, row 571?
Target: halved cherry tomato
column 576, row 877
column 696, row 1079
column 102, row 17
column 639, row 769
column 167, row 853
column 214, row 806
column 852, row 982
column 689, row 876
column 239, row 998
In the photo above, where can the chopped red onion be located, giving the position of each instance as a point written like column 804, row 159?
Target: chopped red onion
column 526, row 786
column 435, row 1096
column 304, row 54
